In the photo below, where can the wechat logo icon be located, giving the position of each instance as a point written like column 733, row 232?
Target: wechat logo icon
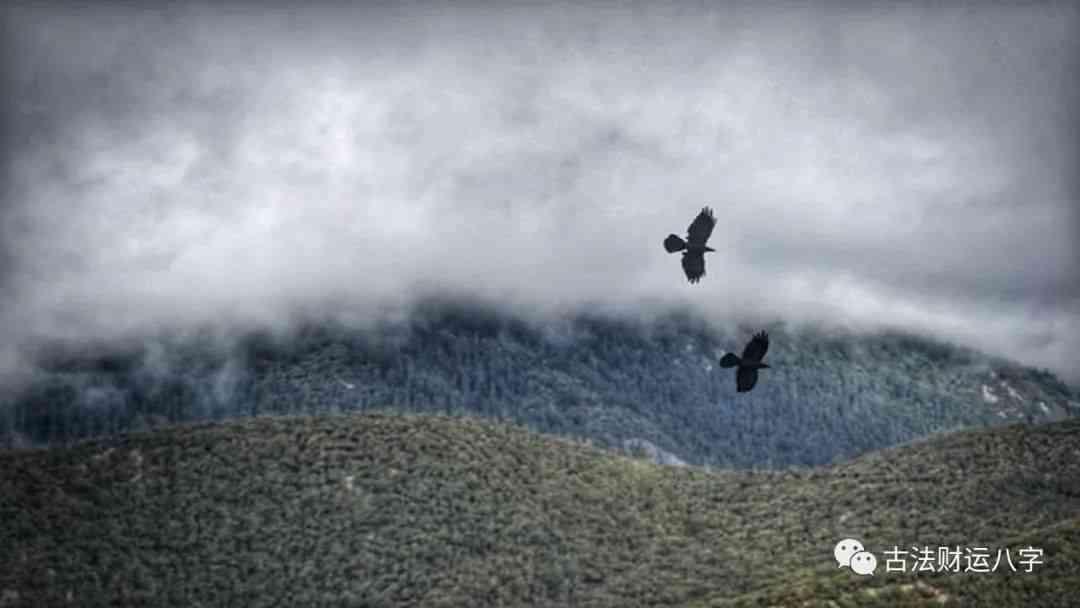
column 850, row 553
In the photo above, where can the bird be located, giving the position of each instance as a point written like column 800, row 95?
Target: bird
column 750, row 362
column 693, row 248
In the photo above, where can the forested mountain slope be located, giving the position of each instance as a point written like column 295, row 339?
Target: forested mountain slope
column 426, row 510
column 649, row 385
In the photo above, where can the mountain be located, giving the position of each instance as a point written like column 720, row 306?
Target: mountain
column 623, row 383
column 403, row 510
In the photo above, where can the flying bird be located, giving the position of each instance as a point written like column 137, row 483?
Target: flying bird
column 693, row 248
column 750, row 362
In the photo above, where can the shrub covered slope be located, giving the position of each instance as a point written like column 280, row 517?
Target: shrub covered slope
column 424, row 510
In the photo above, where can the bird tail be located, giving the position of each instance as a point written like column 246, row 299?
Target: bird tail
column 673, row 243
column 730, row 360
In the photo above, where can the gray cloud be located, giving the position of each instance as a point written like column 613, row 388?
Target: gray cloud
column 878, row 165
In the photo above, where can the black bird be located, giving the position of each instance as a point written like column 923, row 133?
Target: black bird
column 749, row 363
column 693, row 248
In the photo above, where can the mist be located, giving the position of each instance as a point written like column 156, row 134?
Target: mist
column 870, row 166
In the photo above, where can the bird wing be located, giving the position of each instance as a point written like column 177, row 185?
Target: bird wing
column 693, row 265
column 701, row 228
column 755, row 349
column 745, row 379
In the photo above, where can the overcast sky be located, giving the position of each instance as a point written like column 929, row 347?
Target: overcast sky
column 894, row 165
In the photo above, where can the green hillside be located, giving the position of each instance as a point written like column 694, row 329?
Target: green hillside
column 618, row 382
column 409, row 510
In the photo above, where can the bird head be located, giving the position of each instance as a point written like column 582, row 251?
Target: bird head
column 707, row 249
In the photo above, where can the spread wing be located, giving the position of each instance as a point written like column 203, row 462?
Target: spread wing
column 755, row 349
column 693, row 264
column 745, row 379
column 701, row 228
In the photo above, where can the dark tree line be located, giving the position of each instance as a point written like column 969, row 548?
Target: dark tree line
column 607, row 380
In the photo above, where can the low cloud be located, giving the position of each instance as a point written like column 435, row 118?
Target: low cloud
column 909, row 167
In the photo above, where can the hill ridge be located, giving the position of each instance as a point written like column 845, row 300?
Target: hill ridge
column 407, row 509
column 617, row 382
